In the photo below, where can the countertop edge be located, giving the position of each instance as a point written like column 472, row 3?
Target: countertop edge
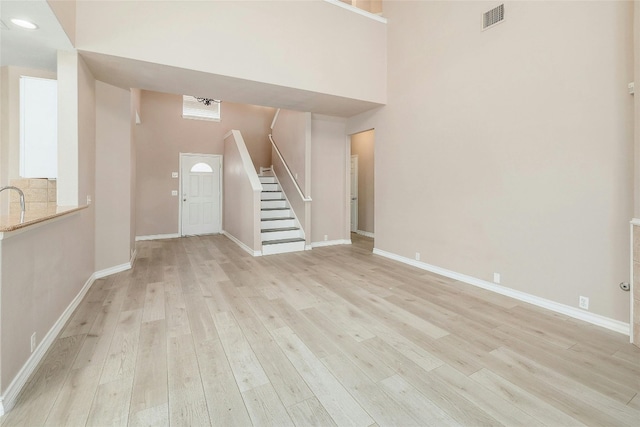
column 10, row 229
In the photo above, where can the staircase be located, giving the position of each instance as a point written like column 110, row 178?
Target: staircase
column 280, row 230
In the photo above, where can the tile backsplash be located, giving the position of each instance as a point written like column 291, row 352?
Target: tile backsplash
column 38, row 194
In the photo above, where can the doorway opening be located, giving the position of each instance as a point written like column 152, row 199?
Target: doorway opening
column 200, row 194
column 362, row 184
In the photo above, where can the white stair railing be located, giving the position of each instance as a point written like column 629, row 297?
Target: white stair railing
column 286, row 167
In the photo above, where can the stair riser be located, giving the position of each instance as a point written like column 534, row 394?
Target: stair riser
column 267, row 179
column 279, row 235
column 271, row 204
column 276, row 214
column 272, row 196
column 270, row 187
column 283, row 223
column 282, row 248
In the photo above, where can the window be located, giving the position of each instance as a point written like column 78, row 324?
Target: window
column 193, row 109
column 201, row 167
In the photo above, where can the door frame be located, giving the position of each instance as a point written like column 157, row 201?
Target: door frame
column 353, row 156
column 347, row 180
column 221, row 198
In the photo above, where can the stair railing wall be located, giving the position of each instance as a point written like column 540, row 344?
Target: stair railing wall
column 298, row 197
column 241, row 194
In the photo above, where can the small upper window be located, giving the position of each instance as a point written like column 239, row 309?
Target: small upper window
column 200, row 108
column 201, row 167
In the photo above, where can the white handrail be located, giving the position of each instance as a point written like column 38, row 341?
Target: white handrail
column 302, row 196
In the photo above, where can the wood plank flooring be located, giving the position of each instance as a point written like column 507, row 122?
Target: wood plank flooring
column 199, row 333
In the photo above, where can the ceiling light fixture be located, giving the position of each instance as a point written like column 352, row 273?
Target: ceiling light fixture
column 23, row 23
column 207, row 101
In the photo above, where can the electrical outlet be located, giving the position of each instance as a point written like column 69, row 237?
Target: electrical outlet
column 417, row 256
column 174, row 192
column 174, row 174
column 496, row 278
column 88, row 200
column 326, row 237
column 584, row 302
column 33, row 342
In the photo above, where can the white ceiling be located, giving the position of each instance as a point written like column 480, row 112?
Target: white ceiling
column 128, row 73
column 37, row 49
column 31, row 48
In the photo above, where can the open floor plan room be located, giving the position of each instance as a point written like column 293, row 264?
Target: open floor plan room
column 200, row 333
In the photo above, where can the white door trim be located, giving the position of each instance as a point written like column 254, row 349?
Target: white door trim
column 353, row 224
column 221, row 198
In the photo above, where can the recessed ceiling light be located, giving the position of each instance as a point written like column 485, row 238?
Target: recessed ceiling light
column 23, row 23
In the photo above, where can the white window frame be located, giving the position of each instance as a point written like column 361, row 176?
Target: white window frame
column 194, row 110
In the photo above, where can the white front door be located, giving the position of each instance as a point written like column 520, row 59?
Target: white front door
column 201, row 202
column 354, row 193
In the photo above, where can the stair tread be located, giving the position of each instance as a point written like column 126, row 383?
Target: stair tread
column 281, row 218
column 272, row 191
column 275, row 209
column 275, row 242
column 271, row 230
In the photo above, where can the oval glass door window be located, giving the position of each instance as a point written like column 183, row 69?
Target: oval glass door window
column 201, row 167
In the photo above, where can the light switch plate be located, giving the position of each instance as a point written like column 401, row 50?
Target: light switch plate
column 174, row 192
column 174, row 174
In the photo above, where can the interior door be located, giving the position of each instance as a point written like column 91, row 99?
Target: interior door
column 354, row 193
column 201, row 202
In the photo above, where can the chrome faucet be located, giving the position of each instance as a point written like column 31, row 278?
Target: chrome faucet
column 11, row 187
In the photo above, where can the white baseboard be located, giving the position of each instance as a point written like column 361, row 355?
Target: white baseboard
column 365, row 233
column 330, row 243
column 157, row 237
column 112, row 270
column 576, row 313
column 244, row 247
column 9, row 398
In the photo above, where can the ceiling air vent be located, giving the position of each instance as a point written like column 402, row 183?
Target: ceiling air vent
column 493, row 17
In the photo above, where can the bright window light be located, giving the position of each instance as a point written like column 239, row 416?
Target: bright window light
column 192, row 109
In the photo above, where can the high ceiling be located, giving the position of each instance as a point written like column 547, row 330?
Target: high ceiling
column 30, row 48
column 37, row 49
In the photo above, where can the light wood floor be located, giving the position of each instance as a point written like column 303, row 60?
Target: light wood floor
column 200, row 333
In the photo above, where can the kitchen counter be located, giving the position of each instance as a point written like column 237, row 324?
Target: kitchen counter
column 13, row 221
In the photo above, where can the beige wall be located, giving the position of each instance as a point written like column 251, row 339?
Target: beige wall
column 292, row 135
column 113, row 176
column 10, row 120
column 164, row 134
column 44, row 268
column 68, row 125
column 328, row 178
column 241, row 193
column 362, row 145
column 510, row 150
column 86, row 132
column 307, row 45
column 36, row 289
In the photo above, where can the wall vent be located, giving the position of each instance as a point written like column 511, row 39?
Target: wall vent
column 493, row 17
